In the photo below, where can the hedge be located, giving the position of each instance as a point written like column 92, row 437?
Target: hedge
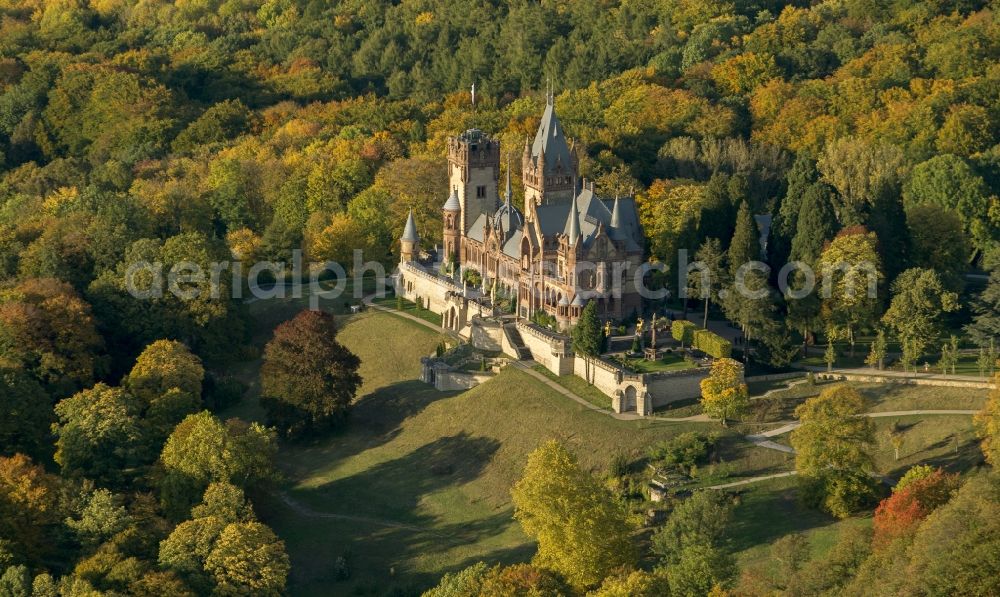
column 683, row 331
column 712, row 344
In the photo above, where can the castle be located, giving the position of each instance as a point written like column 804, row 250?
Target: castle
column 568, row 247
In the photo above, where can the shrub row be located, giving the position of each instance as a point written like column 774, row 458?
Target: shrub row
column 712, row 344
column 683, row 331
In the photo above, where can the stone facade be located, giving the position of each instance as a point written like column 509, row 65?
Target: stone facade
column 567, row 247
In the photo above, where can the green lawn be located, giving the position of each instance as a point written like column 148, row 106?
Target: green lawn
column 968, row 364
column 668, row 362
column 578, row 386
column 411, row 308
column 757, row 388
column 942, row 440
column 444, row 464
column 881, row 398
column 770, row 510
column 419, row 482
column 893, row 397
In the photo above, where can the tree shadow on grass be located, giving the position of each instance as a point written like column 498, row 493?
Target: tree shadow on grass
column 376, row 520
column 393, row 489
column 383, row 410
column 373, row 420
column 963, row 454
column 751, row 460
column 767, row 513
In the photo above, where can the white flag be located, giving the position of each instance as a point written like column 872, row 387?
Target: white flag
column 473, row 94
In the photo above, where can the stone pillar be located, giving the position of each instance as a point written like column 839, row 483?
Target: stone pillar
column 616, row 401
column 643, row 404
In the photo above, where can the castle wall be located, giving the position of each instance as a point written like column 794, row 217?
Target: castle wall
column 414, row 284
column 487, row 335
column 667, row 387
column 547, row 348
column 604, row 376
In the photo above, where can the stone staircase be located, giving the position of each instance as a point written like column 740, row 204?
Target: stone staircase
column 515, row 340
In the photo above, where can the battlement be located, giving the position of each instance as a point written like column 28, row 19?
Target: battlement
column 474, row 149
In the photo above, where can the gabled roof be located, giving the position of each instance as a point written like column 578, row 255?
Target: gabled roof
column 410, row 230
column 551, row 140
column 593, row 211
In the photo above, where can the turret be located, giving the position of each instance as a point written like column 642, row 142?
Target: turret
column 615, row 225
column 409, row 243
column 451, row 216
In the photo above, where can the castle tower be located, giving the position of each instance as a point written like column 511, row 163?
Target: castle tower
column 549, row 165
column 451, row 217
column 409, row 243
column 473, row 174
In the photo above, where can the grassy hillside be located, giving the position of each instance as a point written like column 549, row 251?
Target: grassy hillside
column 420, row 481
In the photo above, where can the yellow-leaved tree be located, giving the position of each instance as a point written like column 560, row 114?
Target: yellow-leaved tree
column 582, row 532
column 851, row 271
column 988, row 426
column 723, row 393
column 832, row 450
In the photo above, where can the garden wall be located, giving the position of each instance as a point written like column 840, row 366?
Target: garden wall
column 602, row 375
column 981, row 384
column 547, row 348
column 671, row 386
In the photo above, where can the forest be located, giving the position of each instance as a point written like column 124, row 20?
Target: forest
column 203, row 131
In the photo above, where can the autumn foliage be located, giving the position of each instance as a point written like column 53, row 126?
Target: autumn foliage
column 899, row 514
column 308, row 379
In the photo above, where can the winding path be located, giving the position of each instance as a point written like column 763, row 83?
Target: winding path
column 761, row 440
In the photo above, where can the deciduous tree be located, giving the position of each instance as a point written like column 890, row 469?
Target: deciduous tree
column 201, row 450
column 850, row 275
column 25, row 415
column 949, row 182
column 582, row 532
column 167, row 378
column 832, row 450
column 47, row 329
column 918, row 303
column 31, row 508
column 899, row 514
column 723, row 394
column 100, row 434
column 693, row 546
column 988, row 426
column 308, row 379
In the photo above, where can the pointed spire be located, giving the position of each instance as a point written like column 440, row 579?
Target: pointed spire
column 573, row 225
column 410, row 230
column 509, row 192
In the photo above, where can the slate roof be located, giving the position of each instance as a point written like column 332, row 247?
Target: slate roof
column 552, row 141
column 410, row 230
